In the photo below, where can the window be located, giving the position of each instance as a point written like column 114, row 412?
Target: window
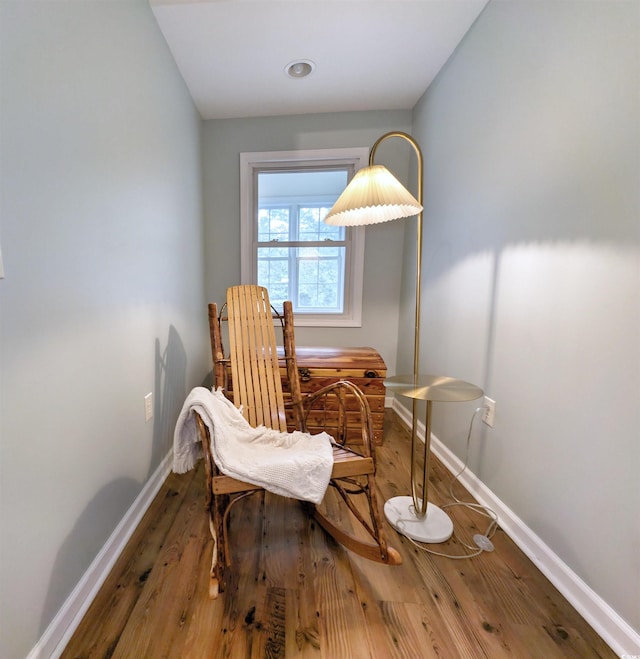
column 287, row 247
column 299, row 257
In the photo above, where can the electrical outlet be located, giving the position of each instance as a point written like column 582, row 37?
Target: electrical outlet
column 488, row 411
column 148, row 406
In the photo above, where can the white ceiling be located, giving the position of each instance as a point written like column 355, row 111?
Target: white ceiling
column 369, row 54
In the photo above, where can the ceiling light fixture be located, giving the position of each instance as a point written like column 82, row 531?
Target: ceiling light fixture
column 299, row 68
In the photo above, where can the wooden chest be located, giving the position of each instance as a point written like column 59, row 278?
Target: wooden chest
column 364, row 367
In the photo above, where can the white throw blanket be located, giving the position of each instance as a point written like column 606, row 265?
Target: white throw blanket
column 296, row 465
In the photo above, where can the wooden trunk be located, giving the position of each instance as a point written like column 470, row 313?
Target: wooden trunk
column 364, row 367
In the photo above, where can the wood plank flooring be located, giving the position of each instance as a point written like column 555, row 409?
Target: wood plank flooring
column 295, row 593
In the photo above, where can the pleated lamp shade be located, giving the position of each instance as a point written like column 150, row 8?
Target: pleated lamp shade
column 374, row 195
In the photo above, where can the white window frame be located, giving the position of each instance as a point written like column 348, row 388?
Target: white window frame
column 250, row 164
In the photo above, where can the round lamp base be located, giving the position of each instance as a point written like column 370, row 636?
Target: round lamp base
column 435, row 526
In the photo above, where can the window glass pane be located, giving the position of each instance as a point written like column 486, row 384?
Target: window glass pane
column 278, row 293
column 315, row 296
column 273, row 272
column 320, row 279
column 328, row 231
column 308, row 223
column 273, row 224
column 329, row 272
column 279, row 272
column 311, row 224
column 308, row 271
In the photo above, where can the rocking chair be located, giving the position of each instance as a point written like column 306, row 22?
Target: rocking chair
column 253, row 373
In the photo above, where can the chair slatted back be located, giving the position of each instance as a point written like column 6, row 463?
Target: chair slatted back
column 255, row 370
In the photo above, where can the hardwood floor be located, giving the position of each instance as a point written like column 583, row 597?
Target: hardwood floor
column 294, row 593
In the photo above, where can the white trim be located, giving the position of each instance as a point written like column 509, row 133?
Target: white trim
column 614, row 630
column 55, row 638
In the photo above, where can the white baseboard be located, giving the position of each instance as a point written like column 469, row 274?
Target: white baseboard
column 614, row 630
column 66, row 621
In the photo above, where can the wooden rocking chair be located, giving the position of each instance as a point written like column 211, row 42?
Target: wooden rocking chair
column 253, row 372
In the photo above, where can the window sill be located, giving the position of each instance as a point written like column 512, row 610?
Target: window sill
column 300, row 320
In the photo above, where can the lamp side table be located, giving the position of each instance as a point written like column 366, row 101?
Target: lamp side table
column 413, row 515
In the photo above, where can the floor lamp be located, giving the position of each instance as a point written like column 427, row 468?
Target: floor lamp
column 374, row 195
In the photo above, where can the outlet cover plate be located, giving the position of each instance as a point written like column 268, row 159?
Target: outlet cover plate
column 148, row 406
column 488, row 411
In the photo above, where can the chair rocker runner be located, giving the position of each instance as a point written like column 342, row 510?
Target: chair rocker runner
column 252, row 372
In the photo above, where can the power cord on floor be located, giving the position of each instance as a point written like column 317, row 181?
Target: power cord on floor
column 483, row 541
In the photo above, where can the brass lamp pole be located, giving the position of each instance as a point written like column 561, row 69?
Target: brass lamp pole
column 374, row 195
column 419, row 504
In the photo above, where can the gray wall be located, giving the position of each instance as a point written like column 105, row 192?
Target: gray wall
column 531, row 289
column 101, row 233
column 225, row 139
column 532, row 284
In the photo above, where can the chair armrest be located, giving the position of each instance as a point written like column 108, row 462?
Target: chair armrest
column 341, row 390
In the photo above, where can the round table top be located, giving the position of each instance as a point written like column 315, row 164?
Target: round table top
column 433, row 387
